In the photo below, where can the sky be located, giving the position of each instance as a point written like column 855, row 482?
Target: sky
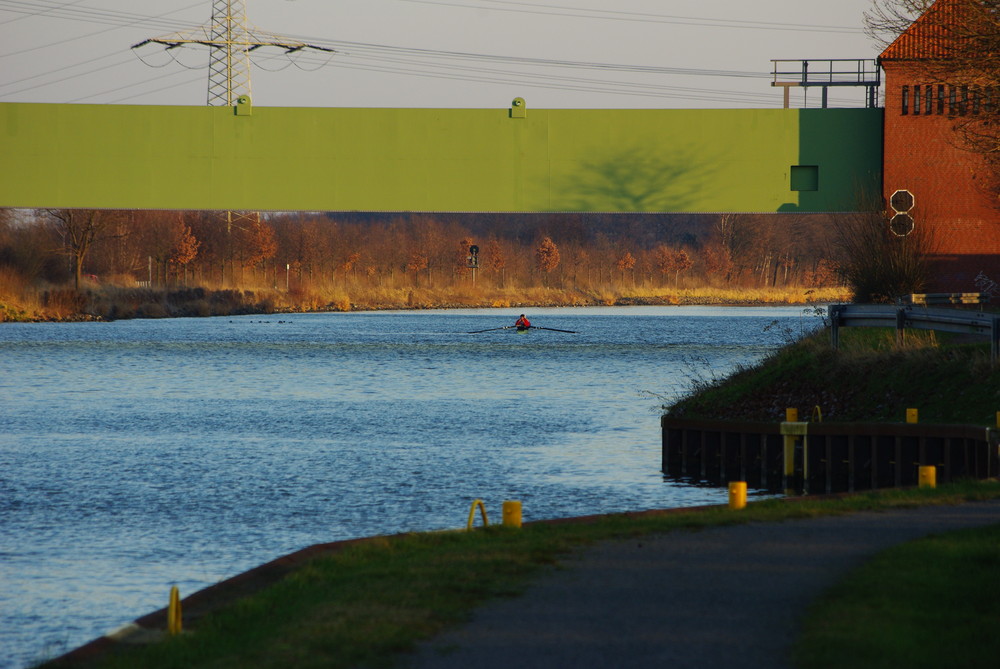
column 556, row 54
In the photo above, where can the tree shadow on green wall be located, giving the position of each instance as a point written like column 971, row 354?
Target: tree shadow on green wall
column 635, row 179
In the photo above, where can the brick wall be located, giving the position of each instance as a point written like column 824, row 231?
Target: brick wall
column 952, row 198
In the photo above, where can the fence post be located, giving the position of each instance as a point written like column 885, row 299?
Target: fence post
column 994, row 340
column 834, row 322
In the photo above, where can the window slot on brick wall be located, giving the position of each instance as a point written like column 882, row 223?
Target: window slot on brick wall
column 952, row 100
column 906, row 100
column 928, row 99
column 916, row 99
column 974, row 92
column 940, row 99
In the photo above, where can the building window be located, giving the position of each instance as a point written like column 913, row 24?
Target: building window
column 906, row 100
column 975, row 100
column 987, row 100
column 805, row 177
column 940, row 99
column 928, row 99
column 916, row 99
column 952, row 100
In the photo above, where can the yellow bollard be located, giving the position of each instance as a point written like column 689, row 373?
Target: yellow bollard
column 911, row 416
column 512, row 513
column 472, row 513
column 737, row 495
column 998, row 418
column 174, row 612
column 927, row 477
column 791, row 415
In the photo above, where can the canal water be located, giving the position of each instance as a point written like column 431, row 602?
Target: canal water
column 136, row 455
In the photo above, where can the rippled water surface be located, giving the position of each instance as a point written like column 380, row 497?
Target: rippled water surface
column 136, row 455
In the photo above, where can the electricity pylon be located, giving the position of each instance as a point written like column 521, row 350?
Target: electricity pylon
column 230, row 40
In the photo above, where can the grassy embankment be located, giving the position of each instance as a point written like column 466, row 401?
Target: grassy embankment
column 369, row 603
column 365, row 605
column 869, row 380
column 929, row 603
column 108, row 302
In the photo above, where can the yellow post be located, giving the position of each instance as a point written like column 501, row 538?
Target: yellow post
column 737, row 494
column 174, row 612
column 998, row 418
column 512, row 513
column 911, row 416
column 791, row 416
column 928, row 477
column 472, row 513
column 789, row 448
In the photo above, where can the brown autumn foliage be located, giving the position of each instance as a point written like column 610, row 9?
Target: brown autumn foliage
column 317, row 261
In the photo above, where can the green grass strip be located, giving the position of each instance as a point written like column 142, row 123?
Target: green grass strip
column 366, row 605
column 929, row 603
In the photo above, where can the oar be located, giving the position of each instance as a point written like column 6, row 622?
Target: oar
column 506, row 327
column 538, row 327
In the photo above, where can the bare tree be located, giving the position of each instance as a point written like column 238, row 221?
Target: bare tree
column 878, row 265
column 81, row 229
column 495, row 258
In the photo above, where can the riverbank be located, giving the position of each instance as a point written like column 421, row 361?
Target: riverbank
column 369, row 603
column 948, row 378
column 107, row 302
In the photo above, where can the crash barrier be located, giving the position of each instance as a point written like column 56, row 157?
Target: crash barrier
column 902, row 317
column 806, row 457
column 928, row 299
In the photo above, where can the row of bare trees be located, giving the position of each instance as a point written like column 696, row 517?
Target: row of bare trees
column 231, row 249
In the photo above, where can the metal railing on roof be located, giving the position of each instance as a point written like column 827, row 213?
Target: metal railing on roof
column 827, row 72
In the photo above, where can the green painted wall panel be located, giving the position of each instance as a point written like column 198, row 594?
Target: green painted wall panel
column 344, row 159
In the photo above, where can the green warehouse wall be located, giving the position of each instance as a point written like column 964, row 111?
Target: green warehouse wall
column 461, row 160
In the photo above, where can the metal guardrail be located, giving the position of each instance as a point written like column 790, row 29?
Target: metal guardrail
column 928, row 299
column 917, row 318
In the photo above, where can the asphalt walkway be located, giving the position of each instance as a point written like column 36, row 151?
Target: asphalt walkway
column 721, row 597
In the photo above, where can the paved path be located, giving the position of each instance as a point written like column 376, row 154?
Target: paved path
column 723, row 597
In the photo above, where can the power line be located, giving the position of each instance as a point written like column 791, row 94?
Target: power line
column 39, row 12
column 137, row 20
column 230, row 39
column 643, row 17
column 432, row 63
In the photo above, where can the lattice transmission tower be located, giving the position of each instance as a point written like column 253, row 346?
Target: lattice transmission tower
column 230, row 39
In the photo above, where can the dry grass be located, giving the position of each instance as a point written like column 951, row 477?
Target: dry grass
column 111, row 300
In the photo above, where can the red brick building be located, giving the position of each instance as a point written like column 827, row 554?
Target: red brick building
column 954, row 198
